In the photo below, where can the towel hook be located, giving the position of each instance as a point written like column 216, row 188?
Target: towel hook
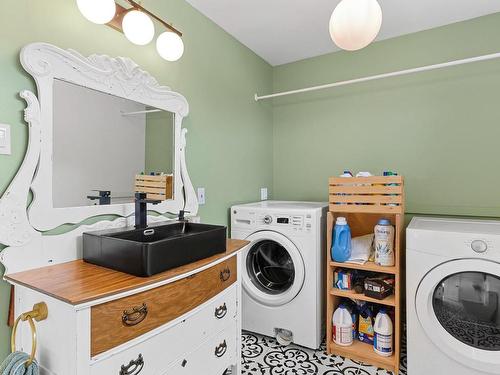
column 39, row 313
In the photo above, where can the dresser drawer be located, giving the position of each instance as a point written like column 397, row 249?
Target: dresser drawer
column 212, row 357
column 116, row 322
column 157, row 352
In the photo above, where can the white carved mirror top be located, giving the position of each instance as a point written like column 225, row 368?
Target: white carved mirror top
column 96, row 93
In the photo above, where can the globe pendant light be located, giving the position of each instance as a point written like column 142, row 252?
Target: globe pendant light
column 97, row 11
column 355, row 23
column 170, row 46
column 138, row 27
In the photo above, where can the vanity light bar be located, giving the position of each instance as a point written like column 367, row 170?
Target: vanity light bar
column 116, row 22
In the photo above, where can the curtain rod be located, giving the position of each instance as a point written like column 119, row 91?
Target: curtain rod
column 381, row 76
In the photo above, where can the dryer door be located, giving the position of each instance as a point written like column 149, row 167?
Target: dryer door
column 273, row 270
column 458, row 306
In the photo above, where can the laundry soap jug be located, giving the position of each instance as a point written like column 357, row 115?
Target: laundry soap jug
column 342, row 326
column 384, row 243
column 383, row 332
column 341, row 244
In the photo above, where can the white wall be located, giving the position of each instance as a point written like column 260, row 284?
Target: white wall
column 95, row 147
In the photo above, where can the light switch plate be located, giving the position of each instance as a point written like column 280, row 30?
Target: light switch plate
column 263, row 194
column 201, row 196
column 5, row 148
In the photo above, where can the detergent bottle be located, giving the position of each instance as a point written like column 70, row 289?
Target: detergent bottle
column 342, row 326
column 382, row 342
column 341, row 240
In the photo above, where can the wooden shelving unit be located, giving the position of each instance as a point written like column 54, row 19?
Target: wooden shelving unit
column 363, row 201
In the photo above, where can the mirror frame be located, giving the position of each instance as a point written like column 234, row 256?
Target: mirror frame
column 116, row 76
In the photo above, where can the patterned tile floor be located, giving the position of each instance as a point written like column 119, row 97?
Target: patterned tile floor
column 264, row 356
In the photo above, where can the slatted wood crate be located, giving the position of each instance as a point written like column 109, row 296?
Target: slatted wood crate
column 377, row 194
column 156, row 187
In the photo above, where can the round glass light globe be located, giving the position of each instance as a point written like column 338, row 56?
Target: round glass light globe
column 97, row 11
column 170, row 46
column 355, row 23
column 138, row 27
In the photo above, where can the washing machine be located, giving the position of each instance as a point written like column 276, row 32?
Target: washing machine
column 283, row 269
column 453, row 296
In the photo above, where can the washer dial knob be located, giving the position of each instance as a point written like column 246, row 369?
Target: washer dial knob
column 479, row 246
column 268, row 219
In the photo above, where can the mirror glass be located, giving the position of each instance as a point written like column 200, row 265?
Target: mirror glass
column 101, row 142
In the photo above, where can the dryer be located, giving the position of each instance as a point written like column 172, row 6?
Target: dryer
column 283, row 269
column 453, row 296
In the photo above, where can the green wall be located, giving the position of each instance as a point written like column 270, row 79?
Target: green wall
column 439, row 129
column 229, row 143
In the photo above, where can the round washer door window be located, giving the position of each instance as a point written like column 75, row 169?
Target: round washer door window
column 458, row 306
column 273, row 268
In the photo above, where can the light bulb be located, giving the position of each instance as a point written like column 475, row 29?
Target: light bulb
column 138, row 27
column 97, row 11
column 170, row 46
column 355, row 23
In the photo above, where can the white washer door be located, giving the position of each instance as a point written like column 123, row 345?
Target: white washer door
column 273, row 269
column 458, row 306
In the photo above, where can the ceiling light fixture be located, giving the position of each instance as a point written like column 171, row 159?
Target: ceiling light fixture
column 355, row 23
column 97, row 11
column 170, row 46
column 138, row 27
column 136, row 23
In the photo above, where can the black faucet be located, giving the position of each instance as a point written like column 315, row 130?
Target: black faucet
column 181, row 215
column 104, row 197
column 141, row 209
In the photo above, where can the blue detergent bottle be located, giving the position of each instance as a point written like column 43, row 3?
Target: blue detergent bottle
column 341, row 244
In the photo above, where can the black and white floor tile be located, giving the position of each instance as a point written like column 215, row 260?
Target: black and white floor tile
column 264, row 356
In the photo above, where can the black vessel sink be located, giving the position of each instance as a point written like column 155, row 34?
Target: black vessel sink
column 157, row 248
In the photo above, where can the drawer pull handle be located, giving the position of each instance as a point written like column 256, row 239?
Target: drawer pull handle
column 221, row 311
column 221, row 349
column 135, row 316
column 134, row 367
column 225, row 274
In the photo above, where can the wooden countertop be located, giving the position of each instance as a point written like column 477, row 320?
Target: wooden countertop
column 78, row 282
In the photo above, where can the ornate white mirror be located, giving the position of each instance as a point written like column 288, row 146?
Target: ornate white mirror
column 102, row 121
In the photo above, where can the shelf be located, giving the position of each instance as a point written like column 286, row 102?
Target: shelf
column 364, row 353
column 363, row 202
column 388, row 301
column 368, row 266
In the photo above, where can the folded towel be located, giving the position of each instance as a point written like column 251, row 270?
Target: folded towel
column 15, row 364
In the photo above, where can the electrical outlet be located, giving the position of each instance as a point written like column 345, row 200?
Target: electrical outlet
column 201, row 195
column 263, row 194
column 5, row 139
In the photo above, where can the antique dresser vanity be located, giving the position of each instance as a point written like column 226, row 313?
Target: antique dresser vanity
column 100, row 322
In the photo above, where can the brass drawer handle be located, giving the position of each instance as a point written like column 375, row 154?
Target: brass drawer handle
column 221, row 349
column 225, row 274
column 135, row 316
column 134, row 367
column 221, row 311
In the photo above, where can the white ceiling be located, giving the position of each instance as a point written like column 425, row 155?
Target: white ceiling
column 283, row 31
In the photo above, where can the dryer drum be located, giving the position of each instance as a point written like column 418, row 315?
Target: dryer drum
column 270, row 267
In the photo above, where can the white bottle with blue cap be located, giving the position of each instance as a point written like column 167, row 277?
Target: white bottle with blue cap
column 384, row 243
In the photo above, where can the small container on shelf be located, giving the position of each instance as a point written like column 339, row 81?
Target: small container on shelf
column 384, row 243
column 379, row 287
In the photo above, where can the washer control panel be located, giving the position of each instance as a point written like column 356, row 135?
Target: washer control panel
column 299, row 223
column 287, row 221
